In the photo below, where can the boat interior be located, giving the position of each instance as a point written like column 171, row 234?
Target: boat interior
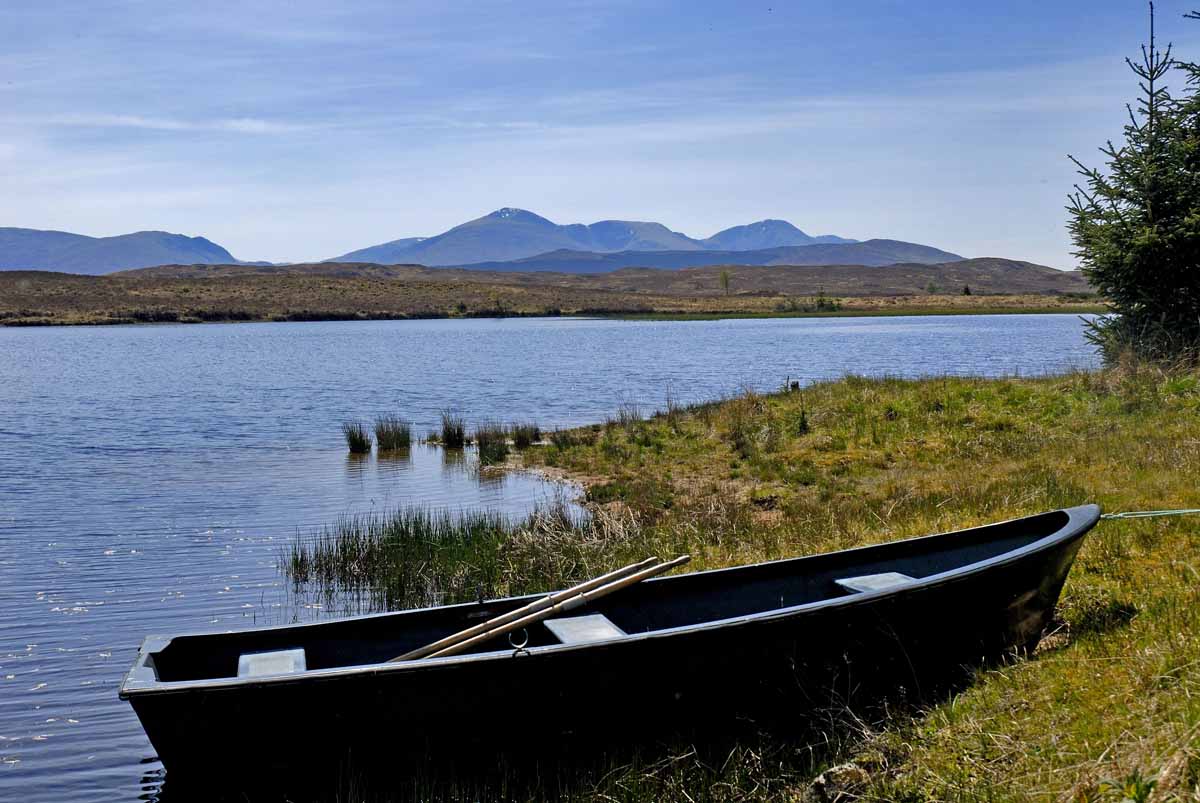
column 669, row 602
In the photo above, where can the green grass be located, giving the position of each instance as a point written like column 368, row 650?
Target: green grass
column 566, row 438
column 1109, row 702
column 492, row 441
column 454, row 430
column 393, row 433
column 358, row 439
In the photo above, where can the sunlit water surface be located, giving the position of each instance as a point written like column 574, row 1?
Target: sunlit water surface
column 150, row 476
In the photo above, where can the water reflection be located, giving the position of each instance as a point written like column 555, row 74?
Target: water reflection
column 489, row 477
column 357, row 465
column 454, row 460
column 394, row 461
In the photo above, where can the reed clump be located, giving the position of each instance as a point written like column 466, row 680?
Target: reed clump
column 393, row 433
column 629, row 415
column 525, row 434
column 492, row 441
column 358, row 439
column 673, row 411
column 454, row 430
column 416, row 556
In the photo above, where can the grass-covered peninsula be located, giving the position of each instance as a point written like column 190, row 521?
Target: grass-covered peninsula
column 1112, row 692
column 1107, row 709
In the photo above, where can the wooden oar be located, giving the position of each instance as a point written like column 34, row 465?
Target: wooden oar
column 566, row 605
column 525, row 610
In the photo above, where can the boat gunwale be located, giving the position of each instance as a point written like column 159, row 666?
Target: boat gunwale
column 1080, row 519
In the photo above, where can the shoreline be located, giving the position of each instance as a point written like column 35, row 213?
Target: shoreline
column 169, row 317
column 882, row 312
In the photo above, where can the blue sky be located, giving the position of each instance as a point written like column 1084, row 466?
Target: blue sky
column 300, row 130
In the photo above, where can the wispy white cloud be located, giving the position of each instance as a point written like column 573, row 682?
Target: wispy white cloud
column 236, row 125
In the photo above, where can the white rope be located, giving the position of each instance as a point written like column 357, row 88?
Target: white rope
column 1150, row 514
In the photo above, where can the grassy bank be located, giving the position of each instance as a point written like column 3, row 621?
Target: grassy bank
column 1113, row 693
column 30, row 298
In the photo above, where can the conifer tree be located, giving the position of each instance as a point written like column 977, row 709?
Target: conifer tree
column 1136, row 226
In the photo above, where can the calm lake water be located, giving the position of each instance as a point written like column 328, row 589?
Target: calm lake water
column 149, row 476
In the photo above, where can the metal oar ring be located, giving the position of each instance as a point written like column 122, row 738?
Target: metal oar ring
column 519, row 649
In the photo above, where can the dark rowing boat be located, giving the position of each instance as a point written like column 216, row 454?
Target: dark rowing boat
column 739, row 642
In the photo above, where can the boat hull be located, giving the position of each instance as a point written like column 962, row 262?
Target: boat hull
column 764, row 669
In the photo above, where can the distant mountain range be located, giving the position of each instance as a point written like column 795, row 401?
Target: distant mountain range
column 77, row 253
column 509, row 234
column 508, row 240
column 870, row 253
